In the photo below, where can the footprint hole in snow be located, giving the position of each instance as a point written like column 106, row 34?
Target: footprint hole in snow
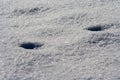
column 100, row 27
column 33, row 10
column 30, row 45
column 95, row 28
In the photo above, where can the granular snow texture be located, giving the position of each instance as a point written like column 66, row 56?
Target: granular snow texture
column 59, row 39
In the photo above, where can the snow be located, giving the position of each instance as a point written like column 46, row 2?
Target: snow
column 79, row 39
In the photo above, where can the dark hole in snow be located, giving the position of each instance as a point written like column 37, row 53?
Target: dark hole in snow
column 34, row 10
column 30, row 45
column 95, row 28
column 19, row 12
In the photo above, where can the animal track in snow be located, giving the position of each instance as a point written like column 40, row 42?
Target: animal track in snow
column 30, row 45
column 99, row 27
column 95, row 28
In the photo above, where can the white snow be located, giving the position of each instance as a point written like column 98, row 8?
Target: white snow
column 72, row 47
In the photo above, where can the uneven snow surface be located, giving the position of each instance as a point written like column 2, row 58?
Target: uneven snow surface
column 59, row 39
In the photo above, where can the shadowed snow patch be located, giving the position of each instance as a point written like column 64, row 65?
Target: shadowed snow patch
column 29, row 11
column 102, row 40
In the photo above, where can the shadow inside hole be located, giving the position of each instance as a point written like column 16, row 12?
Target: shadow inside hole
column 95, row 28
column 30, row 45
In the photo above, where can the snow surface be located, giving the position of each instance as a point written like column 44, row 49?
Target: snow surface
column 80, row 39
